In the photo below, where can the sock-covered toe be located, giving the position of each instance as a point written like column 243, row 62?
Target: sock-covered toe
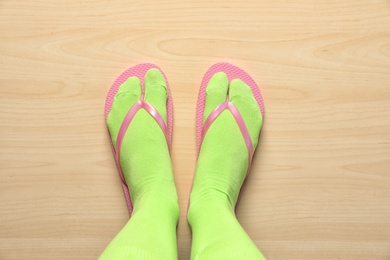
column 156, row 91
column 242, row 97
column 216, row 92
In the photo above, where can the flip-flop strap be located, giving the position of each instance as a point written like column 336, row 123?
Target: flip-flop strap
column 240, row 122
column 125, row 125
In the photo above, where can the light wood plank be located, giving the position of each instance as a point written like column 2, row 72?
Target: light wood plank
column 320, row 184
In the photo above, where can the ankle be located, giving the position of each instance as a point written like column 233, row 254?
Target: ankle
column 161, row 203
column 208, row 208
column 213, row 196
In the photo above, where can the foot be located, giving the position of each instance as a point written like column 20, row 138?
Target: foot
column 145, row 158
column 221, row 170
column 146, row 164
column 223, row 158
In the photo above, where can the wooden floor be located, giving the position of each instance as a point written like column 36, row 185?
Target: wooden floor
column 320, row 184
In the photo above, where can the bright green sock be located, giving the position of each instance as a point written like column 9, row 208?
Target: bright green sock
column 151, row 231
column 220, row 172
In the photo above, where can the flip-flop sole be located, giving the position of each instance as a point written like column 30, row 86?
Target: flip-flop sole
column 232, row 72
column 138, row 71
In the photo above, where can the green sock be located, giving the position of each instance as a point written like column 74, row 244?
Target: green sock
column 220, row 172
column 151, row 231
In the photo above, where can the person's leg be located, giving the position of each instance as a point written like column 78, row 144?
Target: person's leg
column 151, row 231
column 220, row 172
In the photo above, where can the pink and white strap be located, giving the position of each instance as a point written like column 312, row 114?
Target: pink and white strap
column 126, row 123
column 240, row 122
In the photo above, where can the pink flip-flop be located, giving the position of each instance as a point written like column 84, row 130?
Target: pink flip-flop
column 232, row 72
column 137, row 71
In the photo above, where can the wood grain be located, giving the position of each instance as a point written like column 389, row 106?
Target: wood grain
column 320, row 184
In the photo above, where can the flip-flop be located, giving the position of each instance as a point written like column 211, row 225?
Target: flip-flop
column 137, row 71
column 232, row 72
